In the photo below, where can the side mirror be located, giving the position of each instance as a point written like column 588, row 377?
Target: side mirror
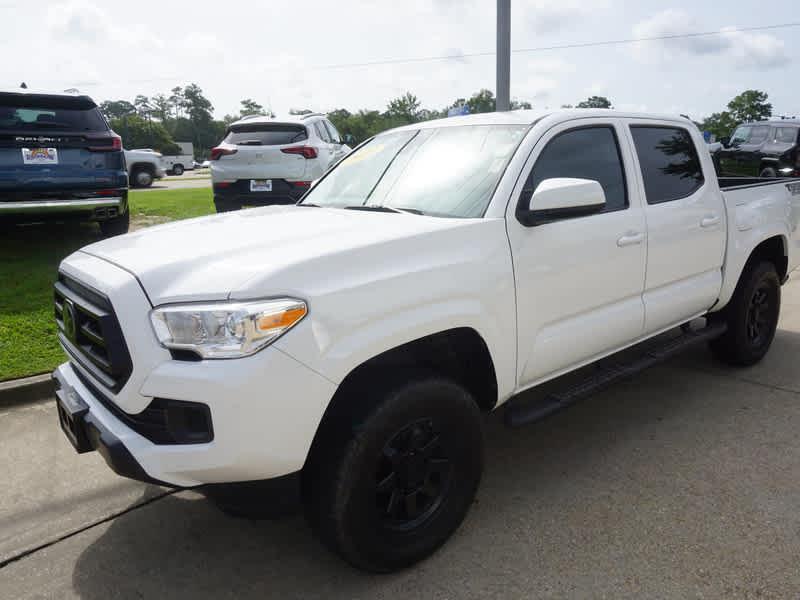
column 348, row 139
column 563, row 198
column 725, row 140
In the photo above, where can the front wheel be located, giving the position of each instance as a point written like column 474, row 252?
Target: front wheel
column 385, row 486
column 141, row 177
column 751, row 316
column 177, row 170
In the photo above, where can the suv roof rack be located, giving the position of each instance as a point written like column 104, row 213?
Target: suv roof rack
column 248, row 117
column 314, row 114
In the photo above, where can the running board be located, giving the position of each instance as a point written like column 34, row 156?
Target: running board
column 524, row 413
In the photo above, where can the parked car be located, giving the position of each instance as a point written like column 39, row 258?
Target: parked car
column 144, row 166
column 762, row 149
column 60, row 160
column 176, row 164
column 345, row 348
column 265, row 160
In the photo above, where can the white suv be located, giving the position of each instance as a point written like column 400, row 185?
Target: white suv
column 268, row 160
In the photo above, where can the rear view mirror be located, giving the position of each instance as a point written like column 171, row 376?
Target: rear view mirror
column 725, row 141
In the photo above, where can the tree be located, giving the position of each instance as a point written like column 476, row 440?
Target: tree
column 161, row 107
column 520, row 105
column 251, row 107
column 719, row 124
column 137, row 132
column 142, row 104
column 481, row 102
column 176, row 101
column 198, row 108
column 405, row 108
column 750, row 105
column 595, row 102
column 115, row 109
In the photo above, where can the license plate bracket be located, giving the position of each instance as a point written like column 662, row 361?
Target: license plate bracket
column 71, row 410
column 261, row 185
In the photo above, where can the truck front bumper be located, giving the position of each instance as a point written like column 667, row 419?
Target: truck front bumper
column 264, row 412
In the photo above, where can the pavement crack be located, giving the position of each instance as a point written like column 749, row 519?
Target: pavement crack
column 66, row 536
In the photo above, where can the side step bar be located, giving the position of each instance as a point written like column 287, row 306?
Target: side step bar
column 520, row 414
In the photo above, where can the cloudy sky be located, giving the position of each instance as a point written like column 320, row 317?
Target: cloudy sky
column 293, row 54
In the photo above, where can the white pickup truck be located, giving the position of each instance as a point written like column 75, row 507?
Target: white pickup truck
column 347, row 348
column 144, row 166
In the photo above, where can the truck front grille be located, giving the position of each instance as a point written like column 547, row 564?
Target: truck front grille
column 90, row 332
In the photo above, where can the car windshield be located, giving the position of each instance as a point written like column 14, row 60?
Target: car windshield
column 446, row 172
column 20, row 112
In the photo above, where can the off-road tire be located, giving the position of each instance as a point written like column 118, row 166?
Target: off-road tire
column 751, row 315
column 346, row 498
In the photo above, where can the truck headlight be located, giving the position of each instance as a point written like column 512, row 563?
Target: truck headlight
column 225, row 330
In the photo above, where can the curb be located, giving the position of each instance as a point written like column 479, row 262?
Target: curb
column 26, row 390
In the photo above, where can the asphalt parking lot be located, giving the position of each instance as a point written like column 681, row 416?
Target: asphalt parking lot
column 179, row 182
column 681, row 483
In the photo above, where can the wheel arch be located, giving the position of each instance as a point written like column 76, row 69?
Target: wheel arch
column 460, row 354
column 773, row 248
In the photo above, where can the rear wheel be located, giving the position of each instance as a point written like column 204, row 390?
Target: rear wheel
column 751, row 316
column 177, row 170
column 768, row 172
column 387, row 486
column 117, row 225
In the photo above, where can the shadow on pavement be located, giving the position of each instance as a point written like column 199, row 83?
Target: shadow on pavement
column 676, row 483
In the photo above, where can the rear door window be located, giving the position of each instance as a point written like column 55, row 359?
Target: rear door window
column 24, row 112
column 322, row 132
column 670, row 165
column 786, row 135
column 335, row 137
column 266, row 134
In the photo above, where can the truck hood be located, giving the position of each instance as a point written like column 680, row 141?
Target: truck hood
column 262, row 252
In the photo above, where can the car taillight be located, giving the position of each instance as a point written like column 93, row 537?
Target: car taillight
column 105, row 144
column 301, row 183
column 304, row 151
column 218, row 152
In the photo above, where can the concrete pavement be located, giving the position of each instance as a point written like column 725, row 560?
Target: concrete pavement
column 684, row 482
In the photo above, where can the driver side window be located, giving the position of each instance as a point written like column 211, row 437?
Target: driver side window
column 585, row 153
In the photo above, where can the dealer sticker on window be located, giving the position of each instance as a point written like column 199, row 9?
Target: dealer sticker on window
column 39, row 156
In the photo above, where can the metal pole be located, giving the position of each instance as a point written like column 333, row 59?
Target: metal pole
column 503, row 55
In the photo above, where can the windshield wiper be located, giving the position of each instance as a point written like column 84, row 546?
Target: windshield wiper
column 383, row 208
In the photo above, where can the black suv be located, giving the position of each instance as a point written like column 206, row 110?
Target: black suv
column 60, row 160
column 763, row 149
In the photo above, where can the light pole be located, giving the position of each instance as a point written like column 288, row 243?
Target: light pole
column 503, row 94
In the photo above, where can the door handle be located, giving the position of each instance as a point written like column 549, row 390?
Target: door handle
column 631, row 238
column 709, row 221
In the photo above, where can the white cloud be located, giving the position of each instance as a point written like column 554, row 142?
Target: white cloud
column 549, row 16
column 743, row 48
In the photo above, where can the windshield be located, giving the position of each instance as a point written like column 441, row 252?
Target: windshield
column 258, row 134
column 34, row 113
column 447, row 172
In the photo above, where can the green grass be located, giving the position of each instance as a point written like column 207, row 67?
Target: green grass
column 29, row 259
